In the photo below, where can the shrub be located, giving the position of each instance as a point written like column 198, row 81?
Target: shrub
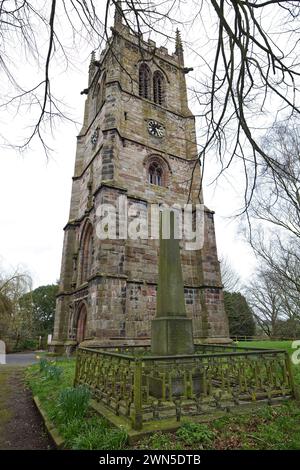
column 43, row 365
column 50, row 370
column 159, row 441
column 73, row 402
column 100, row 438
column 26, row 345
column 54, row 373
column 71, row 429
column 195, row 433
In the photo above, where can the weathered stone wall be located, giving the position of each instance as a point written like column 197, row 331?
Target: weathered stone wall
column 114, row 148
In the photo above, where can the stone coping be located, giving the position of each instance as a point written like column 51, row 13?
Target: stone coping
column 51, row 429
column 149, row 428
column 131, row 342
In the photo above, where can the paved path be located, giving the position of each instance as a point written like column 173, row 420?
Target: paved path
column 21, row 359
column 21, row 426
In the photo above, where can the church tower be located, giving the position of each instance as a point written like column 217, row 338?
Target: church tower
column 138, row 141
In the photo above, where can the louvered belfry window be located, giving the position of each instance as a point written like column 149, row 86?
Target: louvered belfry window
column 144, row 82
column 158, row 88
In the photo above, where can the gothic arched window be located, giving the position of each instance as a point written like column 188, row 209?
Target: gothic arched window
column 157, row 170
column 155, row 174
column 158, row 88
column 144, row 82
column 81, row 323
column 86, row 252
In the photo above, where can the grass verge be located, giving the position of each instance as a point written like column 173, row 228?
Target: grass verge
column 5, row 412
column 267, row 428
column 67, row 408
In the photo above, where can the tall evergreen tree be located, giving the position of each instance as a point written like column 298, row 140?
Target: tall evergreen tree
column 241, row 321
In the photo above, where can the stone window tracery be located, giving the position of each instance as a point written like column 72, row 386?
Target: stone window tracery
column 157, row 171
column 158, row 88
column 155, row 174
column 144, row 81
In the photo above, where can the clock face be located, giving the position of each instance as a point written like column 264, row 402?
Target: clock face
column 156, row 129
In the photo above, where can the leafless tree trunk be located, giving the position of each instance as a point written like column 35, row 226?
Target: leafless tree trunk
column 275, row 215
column 277, row 198
column 266, row 302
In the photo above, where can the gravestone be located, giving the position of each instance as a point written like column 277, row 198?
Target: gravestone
column 2, row 352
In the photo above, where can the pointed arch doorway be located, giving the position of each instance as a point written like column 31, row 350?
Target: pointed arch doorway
column 81, row 323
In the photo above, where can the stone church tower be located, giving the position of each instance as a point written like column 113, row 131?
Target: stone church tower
column 138, row 140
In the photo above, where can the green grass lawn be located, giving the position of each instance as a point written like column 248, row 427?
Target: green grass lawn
column 85, row 430
column 287, row 345
column 276, row 427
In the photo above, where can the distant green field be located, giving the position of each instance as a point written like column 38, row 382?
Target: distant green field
column 287, row 345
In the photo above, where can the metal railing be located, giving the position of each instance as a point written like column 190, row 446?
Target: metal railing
column 263, row 338
column 143, row 388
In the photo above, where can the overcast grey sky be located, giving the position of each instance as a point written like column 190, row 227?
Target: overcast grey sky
column 35, row 193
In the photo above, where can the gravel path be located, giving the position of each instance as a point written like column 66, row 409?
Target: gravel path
column 21, row 426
